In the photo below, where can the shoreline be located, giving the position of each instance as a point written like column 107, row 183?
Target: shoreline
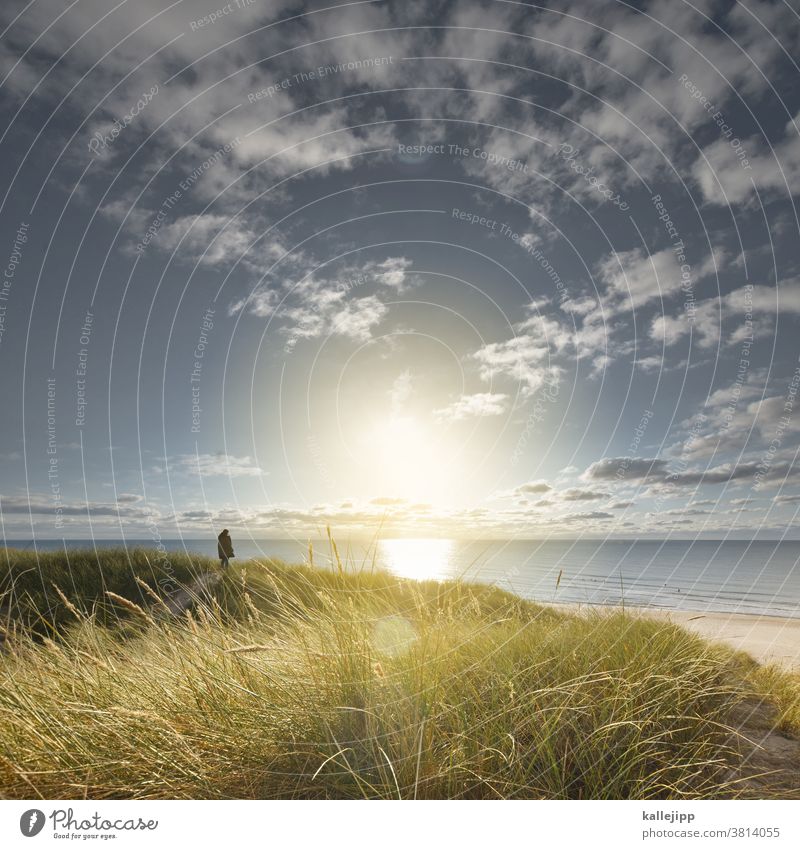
column 767, row 639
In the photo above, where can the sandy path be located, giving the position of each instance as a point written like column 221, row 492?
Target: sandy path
column 186, row 596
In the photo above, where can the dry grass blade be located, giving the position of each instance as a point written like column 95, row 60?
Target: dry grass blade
column 129, row 605
column 67, row 603
column 152, row 594
column 244, row 649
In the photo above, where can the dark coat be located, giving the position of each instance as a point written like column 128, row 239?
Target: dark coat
column 224, row 546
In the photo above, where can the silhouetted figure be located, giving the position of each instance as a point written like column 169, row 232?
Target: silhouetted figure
column 224, row 548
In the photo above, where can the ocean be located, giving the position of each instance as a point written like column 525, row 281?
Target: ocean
column 759, row 577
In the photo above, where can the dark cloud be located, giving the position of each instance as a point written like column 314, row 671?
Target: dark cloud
column 626, row 468
column 587, row 517
column 43, row 507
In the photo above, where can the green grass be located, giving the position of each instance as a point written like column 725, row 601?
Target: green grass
column 300, row 682
column 28, row 582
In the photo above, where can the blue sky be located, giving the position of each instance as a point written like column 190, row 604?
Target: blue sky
column 473, row 269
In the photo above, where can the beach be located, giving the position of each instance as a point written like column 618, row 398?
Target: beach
column 767, row 639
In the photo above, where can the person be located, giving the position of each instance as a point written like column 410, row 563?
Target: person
column 224, row 548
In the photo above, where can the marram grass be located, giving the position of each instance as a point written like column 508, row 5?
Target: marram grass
column 296, row 682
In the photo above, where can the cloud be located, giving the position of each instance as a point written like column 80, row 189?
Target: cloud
column 650, row 126
column 320, row 140
column 708, row 315
column 328, row 313
column 626, row 468
column 638, row 278
column 524, row 359
column 401, row 391
column 386, row 501
column 43, row 506
column 196, row 515
column 479, row 405
column 209, row 239
column 737, row 418
column 260, row 303
column 785, row 499
column 392, row 272
column 783, row 298
column 217, row 465
column 534, row 487
column 583, row 495
column 586, row 517
column 648, row 364
column 322, row 304
column 655, row 471
column 718, row 474
column 727, row 472
column 724, row 179
column 572, row 494
column 357, row 318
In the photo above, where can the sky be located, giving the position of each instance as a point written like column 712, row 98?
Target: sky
column 471, row 269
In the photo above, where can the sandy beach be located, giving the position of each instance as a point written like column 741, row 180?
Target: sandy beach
column 768, row 639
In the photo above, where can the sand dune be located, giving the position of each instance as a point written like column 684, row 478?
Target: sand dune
column 768, row 639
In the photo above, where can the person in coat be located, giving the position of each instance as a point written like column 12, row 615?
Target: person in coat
column 224, row 548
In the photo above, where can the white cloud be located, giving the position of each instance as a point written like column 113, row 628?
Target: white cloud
column 479, row 405
column 326, row 312
column 260, row 303
column 357, row 318
column 401, row 391
column 648, row 364
column 724, row 180
column 524, row 359
column 209, row 239
column 704, row 323
column 636, row 278
column 392, row 272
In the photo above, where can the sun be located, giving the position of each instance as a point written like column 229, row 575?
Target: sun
column 404, row 458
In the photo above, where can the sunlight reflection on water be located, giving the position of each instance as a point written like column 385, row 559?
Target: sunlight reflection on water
column 423, row 559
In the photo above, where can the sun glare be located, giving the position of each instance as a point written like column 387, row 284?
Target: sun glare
column 423, row 559
column 405, row 460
